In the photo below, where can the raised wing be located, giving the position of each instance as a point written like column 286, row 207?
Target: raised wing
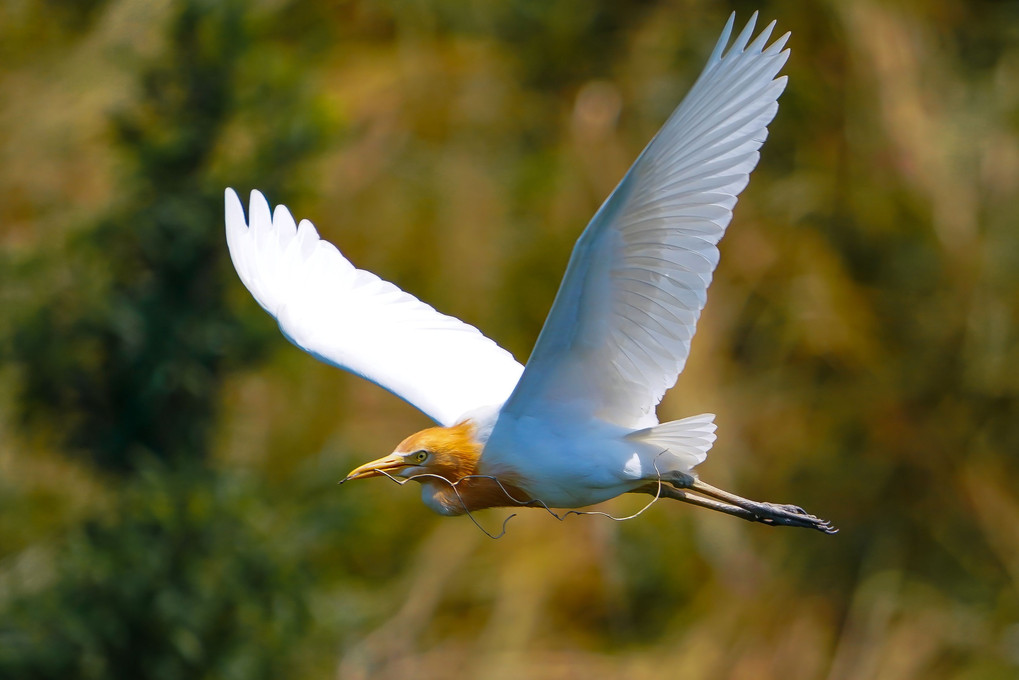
column 619, row 332
column 353, row 319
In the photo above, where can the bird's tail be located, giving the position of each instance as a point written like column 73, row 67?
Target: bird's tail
column 681, row 443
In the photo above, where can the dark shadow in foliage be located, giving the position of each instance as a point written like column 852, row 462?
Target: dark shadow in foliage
column 124, row 357
column 184, row 579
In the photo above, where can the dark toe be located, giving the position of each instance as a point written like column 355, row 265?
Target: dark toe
column 794, row 516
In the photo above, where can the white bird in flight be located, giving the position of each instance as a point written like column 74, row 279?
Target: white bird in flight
column 577, row 425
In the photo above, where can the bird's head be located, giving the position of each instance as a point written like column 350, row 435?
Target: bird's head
column 450, row 452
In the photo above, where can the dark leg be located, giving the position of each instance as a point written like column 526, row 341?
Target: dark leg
column 766, row 513
column 681, row 495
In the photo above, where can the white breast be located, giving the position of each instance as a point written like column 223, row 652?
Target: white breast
column 564, row 463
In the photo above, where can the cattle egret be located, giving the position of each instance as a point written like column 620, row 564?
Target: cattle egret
column 577, row 425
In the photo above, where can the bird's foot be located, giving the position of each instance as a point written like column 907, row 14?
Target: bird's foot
column 775, row 514
column 772, row 514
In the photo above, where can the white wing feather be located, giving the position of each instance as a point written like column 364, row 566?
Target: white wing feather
column 353, row 319
column 619, row 332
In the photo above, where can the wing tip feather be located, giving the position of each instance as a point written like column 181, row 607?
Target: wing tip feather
column 233, row 213
column 259, row 213
column 757, row 46
column 723, row 40
column 776, row 46
column 740, row 44
column 236, row 234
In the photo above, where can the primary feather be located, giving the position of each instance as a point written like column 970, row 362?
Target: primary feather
column 619, row 332
column 351, row 318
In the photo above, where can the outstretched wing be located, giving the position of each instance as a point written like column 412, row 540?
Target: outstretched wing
column 619, row 332
column 351, row 318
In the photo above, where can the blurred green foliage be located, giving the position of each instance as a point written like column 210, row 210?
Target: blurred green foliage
column 130, row 363
column 182, row 580
column 858, row 346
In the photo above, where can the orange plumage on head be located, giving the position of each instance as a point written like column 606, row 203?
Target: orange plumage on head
column 454, row 450
column 444, row 460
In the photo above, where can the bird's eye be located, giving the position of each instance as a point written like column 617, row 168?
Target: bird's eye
column 420, row 456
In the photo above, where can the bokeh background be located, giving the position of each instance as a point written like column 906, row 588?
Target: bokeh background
column 168, row 462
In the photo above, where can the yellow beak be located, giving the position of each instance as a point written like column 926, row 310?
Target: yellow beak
column 377, row 468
